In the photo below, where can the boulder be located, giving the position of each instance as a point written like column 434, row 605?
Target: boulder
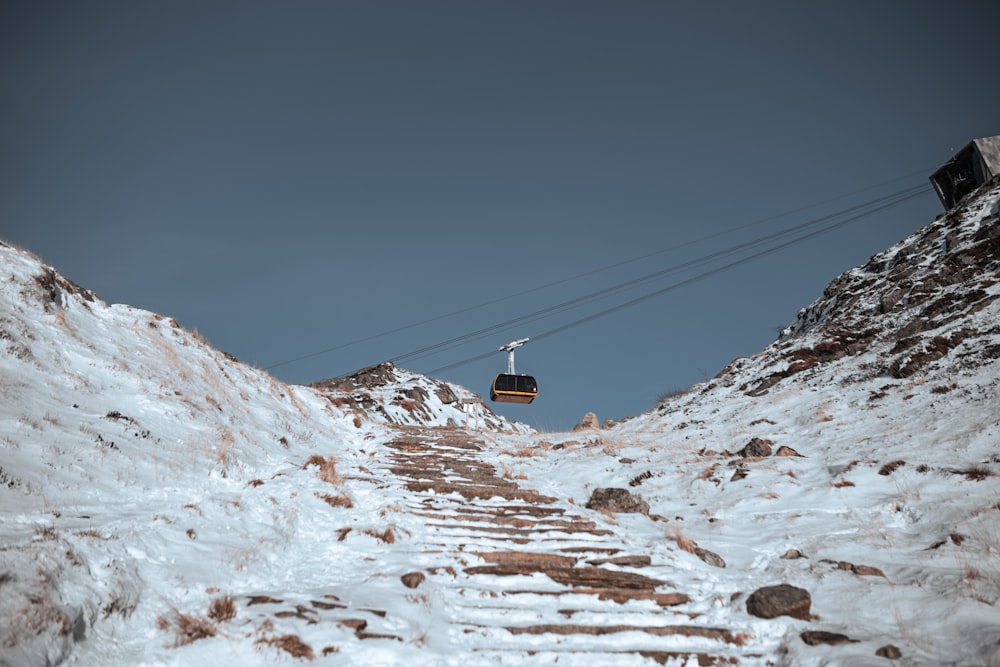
column 756, row 448
column 413, row 579
column 780, row 600
column 619, row 501
column 710, row 557
column 889, row 651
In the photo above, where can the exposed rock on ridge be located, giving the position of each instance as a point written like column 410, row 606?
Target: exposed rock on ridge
column 912, row 305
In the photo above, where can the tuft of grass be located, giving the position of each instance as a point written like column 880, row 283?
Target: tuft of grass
column 387, row 536
column 327, row 468
column 976, row 473
column 684, row 543
column 340, row 500
column 523, row 451
column 891, row 467
column 222, row 610
column 671, row 393
column 188, row 629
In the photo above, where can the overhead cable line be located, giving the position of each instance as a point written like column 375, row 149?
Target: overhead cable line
column 900, row 198
column 635, row 282
column 584, row 274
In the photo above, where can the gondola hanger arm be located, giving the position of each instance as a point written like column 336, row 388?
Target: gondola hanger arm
column 509, row 349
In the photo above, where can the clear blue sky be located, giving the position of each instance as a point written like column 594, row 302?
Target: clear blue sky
column 289, row 177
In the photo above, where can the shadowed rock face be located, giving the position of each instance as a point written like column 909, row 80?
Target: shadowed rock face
column 909, row 304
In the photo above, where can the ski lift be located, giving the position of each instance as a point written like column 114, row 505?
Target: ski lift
column 510, row 387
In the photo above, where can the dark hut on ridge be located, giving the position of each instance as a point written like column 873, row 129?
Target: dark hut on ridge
column 971, row 167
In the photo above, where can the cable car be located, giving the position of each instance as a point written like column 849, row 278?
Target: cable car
column 510, row 387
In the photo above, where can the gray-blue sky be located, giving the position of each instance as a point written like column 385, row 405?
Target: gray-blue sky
column 289, row 177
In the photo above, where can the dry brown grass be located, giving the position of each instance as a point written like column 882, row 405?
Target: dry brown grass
column 891, row 467
column 327, row 468
column 290, row 644
column 523, row 451
column 684, row 543
column 188, row 629
column 709, row 473
column 976, row 473
column 339, row 500
column 222, row 610
column 46, row 533
column 507, row 473
column 387, row 536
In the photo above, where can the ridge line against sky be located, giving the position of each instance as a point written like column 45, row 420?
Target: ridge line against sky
column 280, row 175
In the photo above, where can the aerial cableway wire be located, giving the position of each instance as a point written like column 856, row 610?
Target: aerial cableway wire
column 885, row 203
column 585, row 274
column 635, row 282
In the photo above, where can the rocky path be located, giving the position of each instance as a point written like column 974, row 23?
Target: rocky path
column 499, row 553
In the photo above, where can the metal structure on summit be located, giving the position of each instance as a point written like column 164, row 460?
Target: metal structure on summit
column 510, row 387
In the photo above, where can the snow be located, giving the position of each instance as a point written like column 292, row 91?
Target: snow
column 145, row 477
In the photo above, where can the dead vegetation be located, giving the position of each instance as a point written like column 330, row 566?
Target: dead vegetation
column 976, row 473
column 891, row 467
column 222, row 610
column 187, row 628
column 338, row 500
column 327, row 468
column 387, row 536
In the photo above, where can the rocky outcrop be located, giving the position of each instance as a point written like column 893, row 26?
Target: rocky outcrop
column 909, row 305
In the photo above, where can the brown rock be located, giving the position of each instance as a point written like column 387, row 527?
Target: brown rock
column 889, row 651
column 589, row 422
column 817, row 637
column 710, row 557
column 867, row 571
column 780, row 600
column 413, row 579
column 786, row 451
column 620, row 501
column 757, row 447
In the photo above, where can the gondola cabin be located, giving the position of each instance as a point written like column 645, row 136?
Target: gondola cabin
column 510, row 388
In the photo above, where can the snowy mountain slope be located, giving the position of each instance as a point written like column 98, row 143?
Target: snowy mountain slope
column 162, row 504
column 126, row 440
column 884, row 506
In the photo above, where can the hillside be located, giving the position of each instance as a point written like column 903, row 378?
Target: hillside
column 163, row 503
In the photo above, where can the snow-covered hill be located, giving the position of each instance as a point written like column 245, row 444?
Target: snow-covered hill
column 163, row 504
column 127, row 441
column 858, row 457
